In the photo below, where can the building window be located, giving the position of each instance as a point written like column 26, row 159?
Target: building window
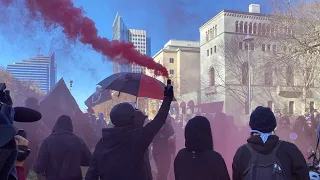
column 237, row 26
column 241, row 27
column 263, row 47
column 245, row 73
column 250, row 28
column 254, row 28
column 240, row 45
column 263, row 29
column 311, row 106
column 252, row 46
column 171, row 71
column 289, row 76
column 268, row 74
column 208, row 52
column 216, row 30
column 207, row 36
column 291, row 107
column 171, row 60
column 259, row 28
column 269, row 47
column 211, row 33
column 274, row 48
column 270, row 105
column 211, row 51
column 246, row 46
column 268, row 30
column 212, row 77
column 245, row 27
column 215, row 49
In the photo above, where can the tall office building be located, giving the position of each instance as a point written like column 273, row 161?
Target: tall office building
column 139, row 38
column 41, row 69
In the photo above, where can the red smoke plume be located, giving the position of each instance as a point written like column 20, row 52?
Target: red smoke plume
column 76, row 25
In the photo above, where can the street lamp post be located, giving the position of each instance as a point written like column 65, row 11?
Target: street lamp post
column 248, row 39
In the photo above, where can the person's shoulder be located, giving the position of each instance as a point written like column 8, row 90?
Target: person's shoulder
column 288, row 146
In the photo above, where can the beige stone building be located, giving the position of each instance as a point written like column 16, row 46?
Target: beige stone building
column 227, row 57
column 182, row 60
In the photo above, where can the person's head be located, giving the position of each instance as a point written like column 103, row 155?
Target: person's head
column 284, row 122
column 63, row 124
column 198, row 134
column 32, row 103
column 263, row 120
column 122, row 115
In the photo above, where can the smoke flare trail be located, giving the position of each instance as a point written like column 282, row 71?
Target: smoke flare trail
column 75, row 25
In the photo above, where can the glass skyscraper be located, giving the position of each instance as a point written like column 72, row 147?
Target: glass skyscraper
column 141, row 42
column 41, row 69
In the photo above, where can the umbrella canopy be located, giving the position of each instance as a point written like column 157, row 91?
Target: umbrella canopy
column 137, row 84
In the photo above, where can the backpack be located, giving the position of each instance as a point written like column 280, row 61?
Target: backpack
column 264, row 166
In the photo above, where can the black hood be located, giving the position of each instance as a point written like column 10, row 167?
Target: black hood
column 113, row 137
column 198, row 134
column 264, row 148
column 63, row 124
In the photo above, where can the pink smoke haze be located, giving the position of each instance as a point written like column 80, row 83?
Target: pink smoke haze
column 75, row 25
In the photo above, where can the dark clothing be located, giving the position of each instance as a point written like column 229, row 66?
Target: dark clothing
column 119, row 155
column 163, row 149
column 62, row 153
column 8, row 154
column 198, row 160
column 207, row 165
column 291, row 159
column 147, row 166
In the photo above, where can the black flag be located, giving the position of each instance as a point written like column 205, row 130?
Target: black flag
column 100, row 96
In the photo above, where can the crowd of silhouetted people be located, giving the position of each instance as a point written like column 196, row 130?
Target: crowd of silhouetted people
column 132, row 147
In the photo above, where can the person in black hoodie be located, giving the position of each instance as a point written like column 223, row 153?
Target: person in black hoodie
column 62, row 153
column 198, row 160
column 163, row 149
column 262, row 140
column 120, row 152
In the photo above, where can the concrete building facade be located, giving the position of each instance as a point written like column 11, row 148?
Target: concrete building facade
column 227, row 58
column 139, row 38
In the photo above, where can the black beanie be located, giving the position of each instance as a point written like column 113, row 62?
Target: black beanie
column 262, row 119
column 122, row 114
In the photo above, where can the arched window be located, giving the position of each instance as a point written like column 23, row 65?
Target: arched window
column 211, row 33
column 207, row 36
column 259, row 28
column 212, row 77
column 216, row 30
column 254, row 28
column 250, row 28
column 289, row 76
column 263, row 29
column 245, row 73
column 241, row 27
column 268, row 74
column 268, row 30
column 246, row 27
column 272, row 30
column 237, row 26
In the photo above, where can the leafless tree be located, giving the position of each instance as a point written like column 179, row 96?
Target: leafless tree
column 230, row 72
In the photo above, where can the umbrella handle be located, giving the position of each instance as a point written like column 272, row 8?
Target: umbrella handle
column 119, row 94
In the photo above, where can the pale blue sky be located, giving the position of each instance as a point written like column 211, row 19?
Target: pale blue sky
column 163, row 20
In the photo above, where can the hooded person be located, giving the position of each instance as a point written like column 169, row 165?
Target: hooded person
column 164, row 149
column 284, row 130
column 198, row 160
column 62, row 153
column 120, row 153
column 281, row 159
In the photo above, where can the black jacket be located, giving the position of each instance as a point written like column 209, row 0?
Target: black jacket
column 290, row 157
column 198, row 161
column 119, row 155
column 62, row 151
column 8, row 154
